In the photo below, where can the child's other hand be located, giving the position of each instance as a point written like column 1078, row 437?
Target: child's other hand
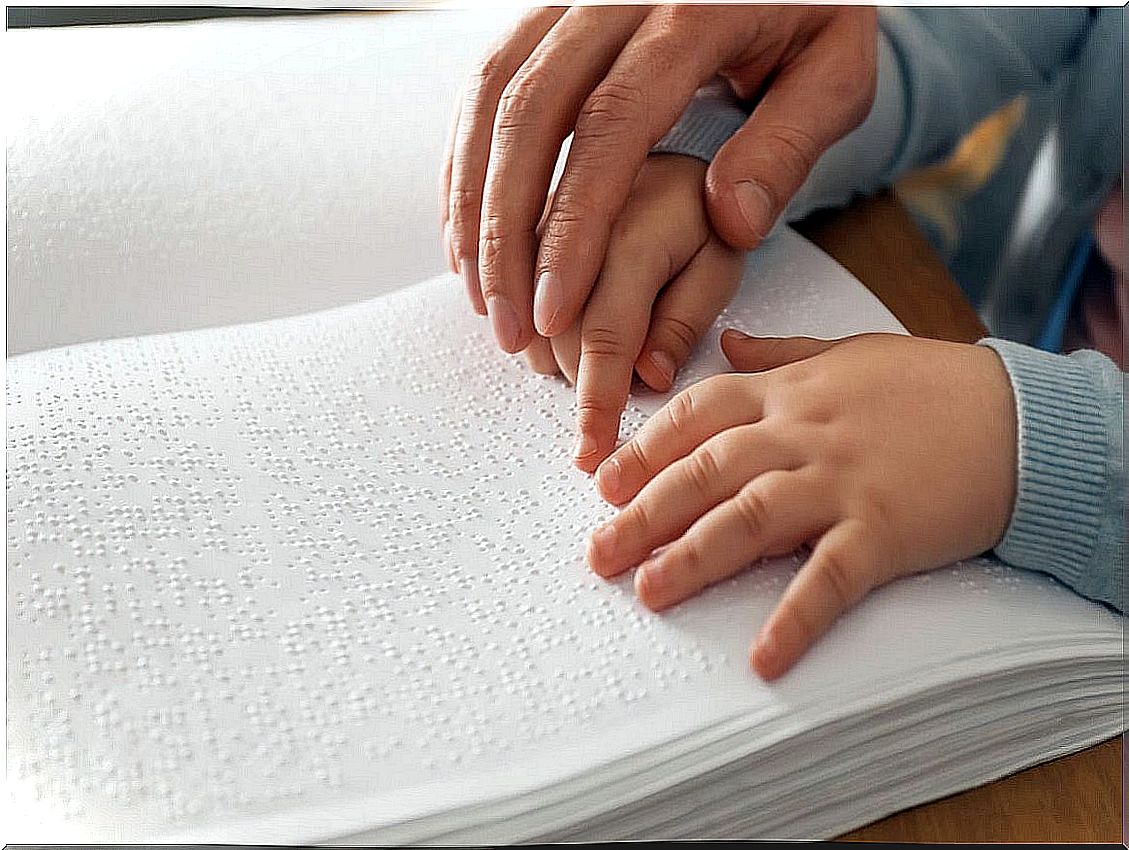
column 664, row 280
column 890, row 454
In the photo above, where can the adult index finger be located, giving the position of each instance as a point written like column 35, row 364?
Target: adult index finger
column 535, row 114
column 642, row 95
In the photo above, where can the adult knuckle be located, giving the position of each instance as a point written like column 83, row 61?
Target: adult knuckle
column 491, row 242
column 564, row 222
column 522, row 100
column 463, row 202
column 796, row 149
column 613, row 106
column 483, row 86
column 488, row 73
column 494, row 242
column 677, row 16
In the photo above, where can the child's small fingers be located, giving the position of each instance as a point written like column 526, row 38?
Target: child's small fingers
column 612, row 331
column 843, row 567
column 686, row 310
column 682, row 493
column 685, row 422
column 608, row 348
column 771, row 515
column 539, row 356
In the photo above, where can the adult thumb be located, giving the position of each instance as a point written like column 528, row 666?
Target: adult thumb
column 811, row 104
column 752, row 179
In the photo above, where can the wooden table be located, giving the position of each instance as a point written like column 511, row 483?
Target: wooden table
column 1075, row 798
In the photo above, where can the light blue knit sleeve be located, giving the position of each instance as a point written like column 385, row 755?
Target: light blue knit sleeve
column 1070, row 508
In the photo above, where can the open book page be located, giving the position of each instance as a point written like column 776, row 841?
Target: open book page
column 324, row 577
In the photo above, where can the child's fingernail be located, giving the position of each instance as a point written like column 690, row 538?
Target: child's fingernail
column 664, row 363
column 585, row 446
column 609, row 476
column 548, row 299
column 603, row 540
column 653, row 585
column 733, row 333
column 503, row 317
column 756, row 206
column 642, row 583
column 764, row 651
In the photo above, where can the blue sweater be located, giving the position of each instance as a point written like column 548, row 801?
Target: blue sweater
column 939, row 72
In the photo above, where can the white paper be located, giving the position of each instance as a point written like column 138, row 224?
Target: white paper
column 323, row 578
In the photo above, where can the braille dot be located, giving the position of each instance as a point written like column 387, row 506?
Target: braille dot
column 275, row 565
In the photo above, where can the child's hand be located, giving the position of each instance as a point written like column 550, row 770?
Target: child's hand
column 664, row 280
column 890, row 454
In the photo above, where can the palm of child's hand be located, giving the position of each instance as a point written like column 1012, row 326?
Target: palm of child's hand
column 664, row 280
column 896, row 454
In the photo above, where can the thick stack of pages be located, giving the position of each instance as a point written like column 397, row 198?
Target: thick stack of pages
column 322, row 579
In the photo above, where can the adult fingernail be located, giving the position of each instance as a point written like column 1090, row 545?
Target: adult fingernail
column 585, row 446
column 548, row 299
column 664, row 363
column 734, row 334
column 468, row 270
column 503, row 317
column 756, row 206
column 447, row 252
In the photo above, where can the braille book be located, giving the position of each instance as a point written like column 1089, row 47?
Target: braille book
column 323, row 579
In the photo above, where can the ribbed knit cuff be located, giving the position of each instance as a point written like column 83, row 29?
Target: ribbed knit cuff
column 712, row 116
column 1063, row 465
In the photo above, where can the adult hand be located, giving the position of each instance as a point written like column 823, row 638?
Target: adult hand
column 618, row 78
column 890, row 454
column 666, row 277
